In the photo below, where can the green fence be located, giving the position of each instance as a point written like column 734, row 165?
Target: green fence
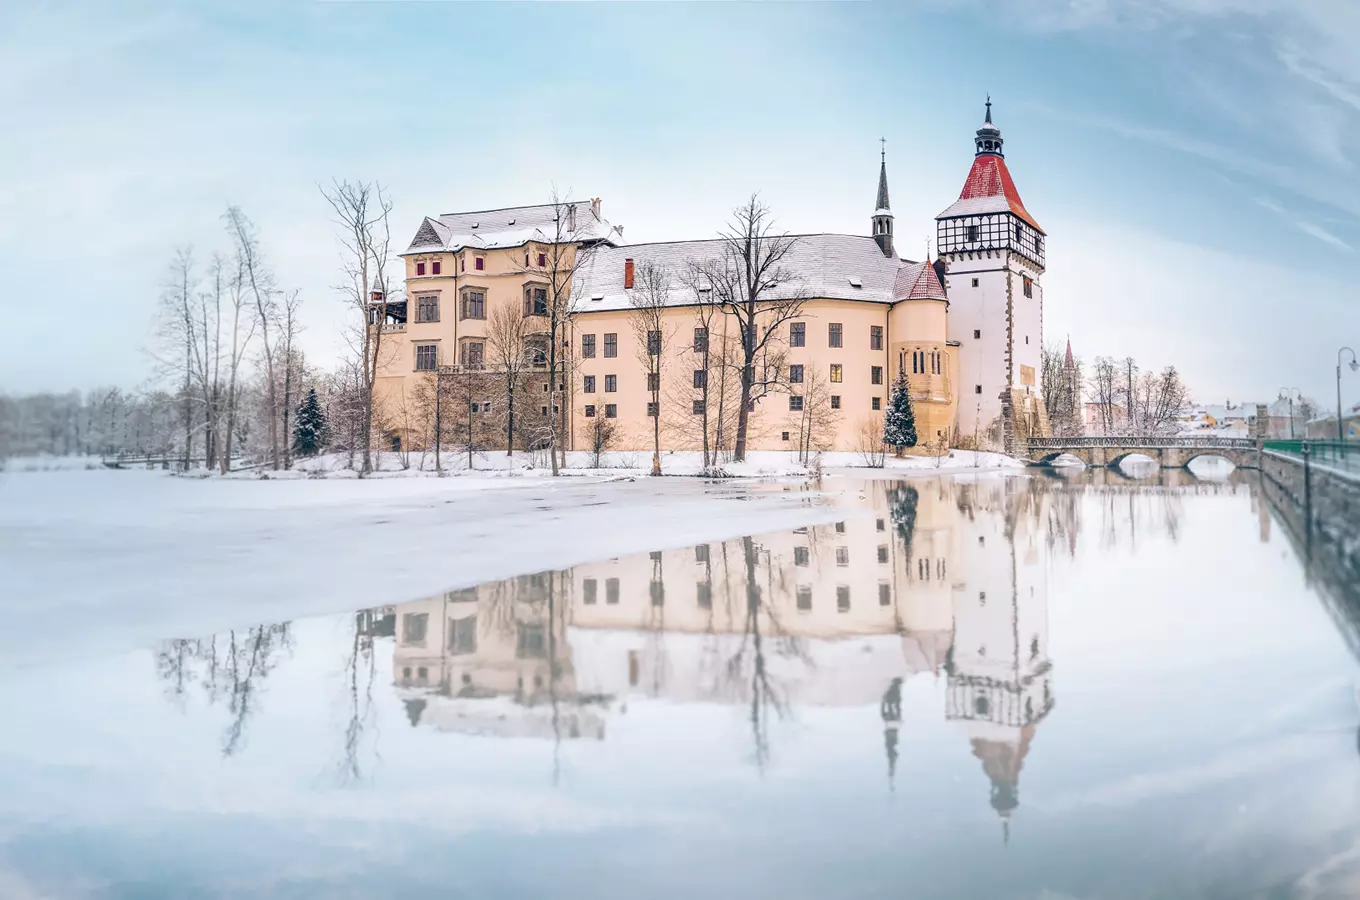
column 1337, row 454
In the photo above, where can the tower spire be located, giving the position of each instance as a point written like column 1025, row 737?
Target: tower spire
column 883, row 217
column 988, row 138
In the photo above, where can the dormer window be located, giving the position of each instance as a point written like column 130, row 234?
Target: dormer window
column 856, row 283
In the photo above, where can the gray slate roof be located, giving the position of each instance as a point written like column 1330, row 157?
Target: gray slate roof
column 826, row 265
column 510, row 227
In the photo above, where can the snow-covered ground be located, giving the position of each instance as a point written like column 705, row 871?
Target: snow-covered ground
column 109, row 560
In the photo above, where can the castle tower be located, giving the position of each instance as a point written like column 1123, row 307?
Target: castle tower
column 883, row 217
column 993, row 251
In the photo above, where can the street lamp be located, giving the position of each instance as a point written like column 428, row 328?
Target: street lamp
column 1340, row 432
column 1289, row 394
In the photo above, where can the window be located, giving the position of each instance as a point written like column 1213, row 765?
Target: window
column 701, row 340
column 588, row 385
column 784, row 436
column 698, row 407
column 835, row 401
column 427, row 357
column 611, row 383
column 875, row 337
column 840, row 528
column 611, row 590
column 800, row 556
column 486, row 406
column 653, row 343
column 884, row 594
column 842, row 556
column 653, row 410
column 833, row 334
column 975, row 282
column 531, row 642
column 876, row 403
column 972, row 234
column 474, row 304
column 977, row 334
column 918, row 362
column 797, row 334
column 653, row 381
column 795, row 374
column 881, row 524
column 704, row 595
column 542, row 260
column 977, row 389
column 462, row 635
column 875, row 374
column 474, row 406
column 842, row 598
column 700, row 378
column 588, row 346
column 535, row 301
column 1029, row 287
column 936, row 363
column 701, row 553
column 589, row 590
column 462, row 263
column 657, row 589
column 434, row 267
column 611, row 345
column 479, row 263
column 396, row 443
column 413, row 627
column 427, row 308
column 536, row 355
column 1019, row 232
column 590, row 411
column 420, row 268
column 544, row 410
column 472, row 354
column 882, row 553
column 611, row 411
column 836, row 372
column 1038, row 244
column 795, row 404
column 804, row 598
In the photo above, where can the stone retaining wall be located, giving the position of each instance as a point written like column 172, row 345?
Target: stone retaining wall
column 1329, row 498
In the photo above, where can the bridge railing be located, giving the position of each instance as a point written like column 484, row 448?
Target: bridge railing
column 1148, row 442
column 1337, row 454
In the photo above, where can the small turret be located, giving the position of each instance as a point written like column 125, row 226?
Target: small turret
column 377, row 293
column 883, row 217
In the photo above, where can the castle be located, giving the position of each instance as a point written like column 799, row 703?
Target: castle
column 966, row 328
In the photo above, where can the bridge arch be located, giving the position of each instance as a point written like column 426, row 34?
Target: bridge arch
column 1231, row 456
column 1171, row 452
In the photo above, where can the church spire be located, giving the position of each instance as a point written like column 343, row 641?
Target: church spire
column 988, row 139
column 883, row 217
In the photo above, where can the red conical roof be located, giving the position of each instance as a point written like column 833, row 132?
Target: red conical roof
column 918, row 281
column 989, row 177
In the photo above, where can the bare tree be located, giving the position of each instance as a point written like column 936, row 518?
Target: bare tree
column 816, row 422
column 288, row 331
column 551, row 267
column 1107, row 393
column 506, row 331
column 260, row 284
column 242, row 331
column 869, row 442
column 1158, row 401
column 178, row 333
column 361, row 216
column 752, row 284
column 650, row 299
column 601, row 435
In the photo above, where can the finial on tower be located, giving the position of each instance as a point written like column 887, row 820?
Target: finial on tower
column 989, row 109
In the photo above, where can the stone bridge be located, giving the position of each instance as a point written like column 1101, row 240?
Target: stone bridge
column 1167, row 452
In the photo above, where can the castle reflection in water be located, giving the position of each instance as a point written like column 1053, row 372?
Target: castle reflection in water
column 930, row 577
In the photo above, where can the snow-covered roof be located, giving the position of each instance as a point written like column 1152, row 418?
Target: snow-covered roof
column 918, row 281
column 493, row 229
column 989, row 189
column 825, row 266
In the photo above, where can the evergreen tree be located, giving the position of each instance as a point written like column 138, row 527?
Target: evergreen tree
column 899, row 425
column 310, row 434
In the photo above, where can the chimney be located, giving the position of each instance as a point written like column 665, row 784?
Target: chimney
column 628, row 274
column 595, row 207
column 571, row 217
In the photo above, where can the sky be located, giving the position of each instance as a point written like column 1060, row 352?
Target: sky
column 1193, row 161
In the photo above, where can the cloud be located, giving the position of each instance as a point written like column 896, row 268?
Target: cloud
column 1312, row 229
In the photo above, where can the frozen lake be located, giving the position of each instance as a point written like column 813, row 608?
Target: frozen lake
column 1002, row 685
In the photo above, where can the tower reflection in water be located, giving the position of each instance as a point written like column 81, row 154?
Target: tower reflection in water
column 932, row 577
